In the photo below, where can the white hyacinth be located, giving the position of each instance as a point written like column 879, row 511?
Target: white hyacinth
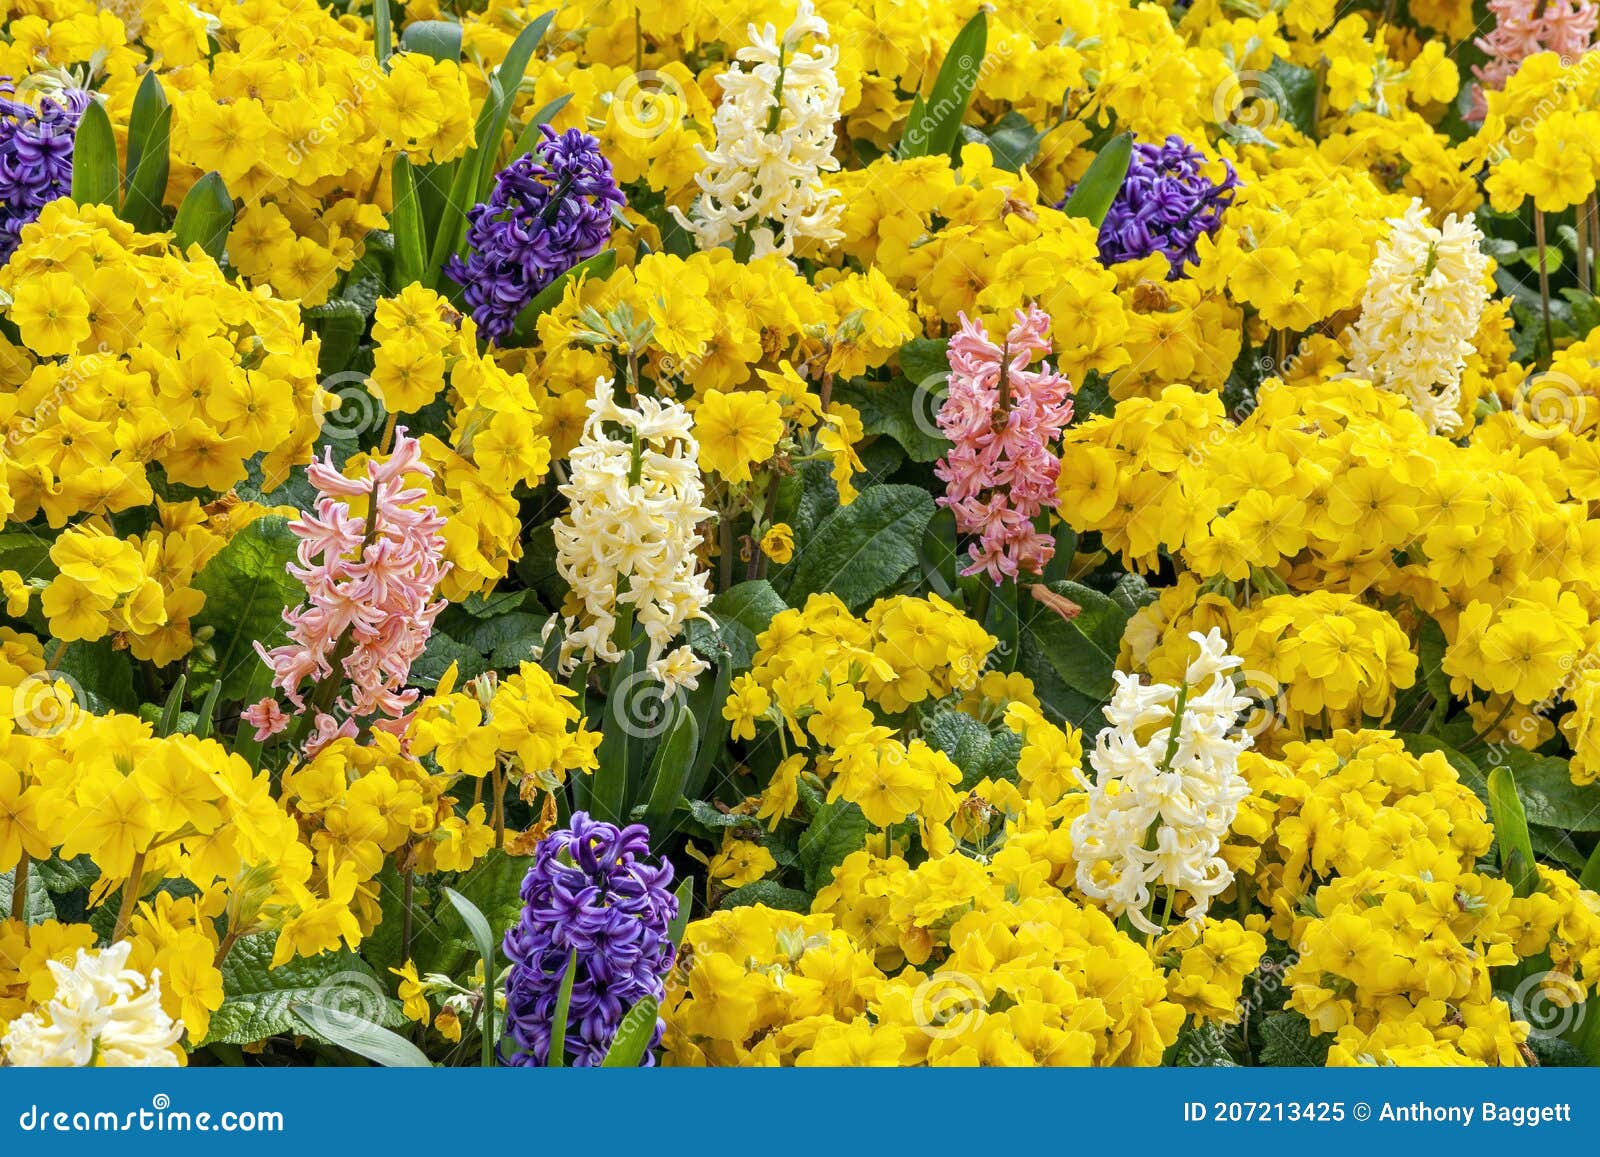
column 631, row 531
column 765, row 179
column 1164, row 796
column 103, row 1013
column 1419, row 314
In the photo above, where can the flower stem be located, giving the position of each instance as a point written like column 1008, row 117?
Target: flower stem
column 19, row 890
column 130, row 897
column 1544, row 282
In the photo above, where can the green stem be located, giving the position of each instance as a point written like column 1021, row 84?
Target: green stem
column 130, row 897
column 19, row 890
column 1544, row 282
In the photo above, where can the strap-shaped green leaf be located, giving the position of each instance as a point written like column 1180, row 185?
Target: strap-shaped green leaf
column 94, row 159
column 1091, row 200
column 1511, row 833
column 205, row 217
column 376, row 1043
column 633, row 1035
column 933, row 129
column 669, row 771
column 406, row 220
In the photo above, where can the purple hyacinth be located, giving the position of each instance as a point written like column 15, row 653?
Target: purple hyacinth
column 1165, row 205
column 591, row 890
column 35, row 157
column 549, row 210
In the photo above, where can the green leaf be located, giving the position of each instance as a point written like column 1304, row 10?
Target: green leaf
column 1286, row 1041
column 900, row 409
column 483, row 938
column 741, row 613
column 1298, row 87
column 1082, row 651
column 147, row 184
column 599, row 266
column 934, row 133
column 836, row 830
column 706, row 702
column 205, row 217
column 509, row 75
column 377, row 1044
column 206, row 716
column 633, row 1035
column 94, row 159
column 608, row 785
column 923, row 359
column 39, row 908
column 862, row 550
column 256, row 999
column 169, row 713
column 680, row 923
column 1549, row 797
column 145, row 178
column 669, row 770
column 1517, row 864
column 440, row 39
column 1014, row 141
column 1092, row 199
column 409, row 256
column 247, row 587
column 382, row 30
column 914, row 137
column 769, row 893
column 557, row 1056
column 530, row 136
column 477, row 925
column 439, row 654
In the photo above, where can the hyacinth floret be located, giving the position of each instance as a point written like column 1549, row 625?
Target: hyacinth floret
column 1166, row 790
column 591, row 900
column 35, row 155
column 549, row 210
column 1165, row 205
column 1004, row 420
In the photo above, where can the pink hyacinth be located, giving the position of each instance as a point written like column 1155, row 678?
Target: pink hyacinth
column 1003, row 419
column 1524, row 28
column 368, row 584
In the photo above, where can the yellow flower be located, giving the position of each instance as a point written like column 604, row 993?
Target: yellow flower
column 737, row 431
column 778, row 543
